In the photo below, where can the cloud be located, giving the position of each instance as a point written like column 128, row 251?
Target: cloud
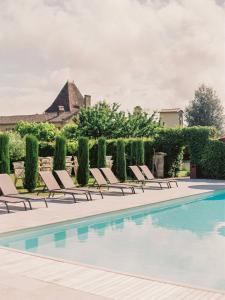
column 150, row 53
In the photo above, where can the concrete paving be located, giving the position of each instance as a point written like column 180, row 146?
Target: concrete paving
column 15, row 285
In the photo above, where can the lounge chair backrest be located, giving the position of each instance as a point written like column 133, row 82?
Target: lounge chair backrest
column 65, row 179
column 96, row 173
column 49, row 180
column 7, row 186
column 137, row 173
column 110, row 175
column 148, row 174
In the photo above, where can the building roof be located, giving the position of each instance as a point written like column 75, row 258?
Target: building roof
column 47, row 117
column 168, row 110
column 69, row 97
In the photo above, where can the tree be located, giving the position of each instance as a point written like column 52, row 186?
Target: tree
column 101, row 152
column 121, row 160
column 4, row 154
column 42, row 131
column 31, row 163
column 60, row 154
column 83, row 161
column 206, row 109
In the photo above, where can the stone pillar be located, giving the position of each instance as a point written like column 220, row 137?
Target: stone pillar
column 158, row 161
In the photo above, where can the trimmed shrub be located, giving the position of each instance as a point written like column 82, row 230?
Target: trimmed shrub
column 59, row 162
column 4, row 154
column 46, row 149
column 121, row 171
column 31, row 163
column 137, row 152
column 212, row 161
column 83, row 161
column 149, row 152
column 196, row 139
column 171, row 142
column 16, row 146
column 101, row 152
column 93, row 153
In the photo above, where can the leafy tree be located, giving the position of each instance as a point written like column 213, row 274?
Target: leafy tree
column 101, row 152
column 60, row 154
column 31, row 163
column 4, row 154
column 206, row 109
column 107, row 120
column 16, row 146
column 101, row 119
column 42, row 131
column 70, row 131
column 83, row 161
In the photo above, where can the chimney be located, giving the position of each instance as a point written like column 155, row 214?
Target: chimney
column 87, row 100
column 61, row 109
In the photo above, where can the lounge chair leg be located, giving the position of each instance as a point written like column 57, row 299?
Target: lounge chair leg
column 7, row 207
column 160, row 185
column 176, row 183
column 100, row 192
column 142, row 188
column 46, row 203
column 29, row 204
column 25, row 208
column 133, row 190
column 122, row 191
column 74, row 199
column 88, row 194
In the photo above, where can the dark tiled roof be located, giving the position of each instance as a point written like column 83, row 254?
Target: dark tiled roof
column 69, row 97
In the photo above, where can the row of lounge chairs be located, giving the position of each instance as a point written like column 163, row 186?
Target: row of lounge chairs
column 103, row 178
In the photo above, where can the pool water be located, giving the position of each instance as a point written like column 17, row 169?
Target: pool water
column 181, row 240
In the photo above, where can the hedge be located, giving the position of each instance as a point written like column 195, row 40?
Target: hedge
column 101, row 152
column 59, row 162
column 4, row 154
column 83, row 161
column 121, row 161
column 31, row 163
column 212, row 161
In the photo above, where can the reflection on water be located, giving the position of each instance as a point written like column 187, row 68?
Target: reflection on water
column 179, row 241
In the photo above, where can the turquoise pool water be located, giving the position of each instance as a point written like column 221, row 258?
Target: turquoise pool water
column 181, row 240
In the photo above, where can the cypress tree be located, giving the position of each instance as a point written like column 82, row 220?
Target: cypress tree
column 4, row 154
column 140, row 153
column 31, row 163
column 133, row 158
column 60, row 154
column 121, row 160
column 101, row 152
column 83, row 161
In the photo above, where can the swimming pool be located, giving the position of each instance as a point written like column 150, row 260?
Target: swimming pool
column 181, row 240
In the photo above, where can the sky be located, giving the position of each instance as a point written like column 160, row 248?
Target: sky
column 153, row 53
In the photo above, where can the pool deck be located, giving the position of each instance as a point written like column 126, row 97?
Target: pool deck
column 30, row 276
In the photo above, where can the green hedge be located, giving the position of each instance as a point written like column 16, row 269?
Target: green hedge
column 121, row 161
column 31, row 163
column 59, row 162
column 213, row 160
column 196, row 139
column 4, row 154
column 101, row 152
column 83, row 161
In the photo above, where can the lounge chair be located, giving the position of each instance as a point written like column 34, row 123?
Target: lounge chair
column 114, row 180
column 141, row 178
column 52, row 186
column 68, row 183
column 9, row 200
column 148, row 174
column 100, row 181
column 11, row 194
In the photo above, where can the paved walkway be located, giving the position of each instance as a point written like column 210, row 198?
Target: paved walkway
column 29, row 276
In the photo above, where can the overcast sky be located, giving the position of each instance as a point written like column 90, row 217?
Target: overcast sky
column 152, row 53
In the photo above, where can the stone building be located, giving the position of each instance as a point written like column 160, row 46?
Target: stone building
column 173, row 117
column 67, row 104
